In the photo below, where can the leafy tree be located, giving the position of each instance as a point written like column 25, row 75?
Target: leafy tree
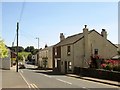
column 20, row 48
column 3, row 49
column 29, row 49
column 29, row 57
column 20, row 57
column 34, row 51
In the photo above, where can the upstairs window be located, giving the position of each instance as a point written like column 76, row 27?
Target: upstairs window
column 55, row 51
column 96, row 51
column 68, row 50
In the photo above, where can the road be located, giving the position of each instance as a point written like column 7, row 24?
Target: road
column 46, row 79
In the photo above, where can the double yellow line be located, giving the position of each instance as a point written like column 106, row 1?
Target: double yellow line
column 33, row 86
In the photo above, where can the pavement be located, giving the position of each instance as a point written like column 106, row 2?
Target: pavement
column 115, row 83
column 12, row 79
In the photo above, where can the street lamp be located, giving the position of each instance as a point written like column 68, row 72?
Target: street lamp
column 38, row 41
column 38, row 50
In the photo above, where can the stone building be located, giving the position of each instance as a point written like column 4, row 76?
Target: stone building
column 76, row 50
column 44, row 58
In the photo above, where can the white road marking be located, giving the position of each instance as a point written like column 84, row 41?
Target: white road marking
column 33, row 86
column 29, row 85
column 64, row 81
column 36, row 87
column 92, row 82
column 21, row 71
column 47, row 76
column 25, row 80
column 86, row 88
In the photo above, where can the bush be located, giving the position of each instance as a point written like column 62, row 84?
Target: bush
column 116, row 68
column 111, row 65
column 108, row 67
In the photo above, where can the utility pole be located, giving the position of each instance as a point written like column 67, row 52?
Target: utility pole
column 17, row 48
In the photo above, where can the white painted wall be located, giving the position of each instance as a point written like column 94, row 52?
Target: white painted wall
column 0, row 63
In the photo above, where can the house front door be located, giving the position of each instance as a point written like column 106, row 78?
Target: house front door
column 58, row 65
column 65, row 66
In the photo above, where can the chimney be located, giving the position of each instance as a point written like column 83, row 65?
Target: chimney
column 46, row 46
column 104, row 33
column 62, row 37
column 85, row 34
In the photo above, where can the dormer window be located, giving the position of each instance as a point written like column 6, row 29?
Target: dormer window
column 68, row 50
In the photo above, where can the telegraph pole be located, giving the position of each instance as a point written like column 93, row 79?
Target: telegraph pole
column 17, row 48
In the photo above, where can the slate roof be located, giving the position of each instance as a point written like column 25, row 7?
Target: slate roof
column 71, row 39
column 74, row 38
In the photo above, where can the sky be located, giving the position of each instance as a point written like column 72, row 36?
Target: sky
column 47, row 20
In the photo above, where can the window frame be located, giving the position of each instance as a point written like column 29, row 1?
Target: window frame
column 68, row 50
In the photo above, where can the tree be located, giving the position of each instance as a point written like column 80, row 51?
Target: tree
column 29, row 49
column 20, row 48
column 3, row 49
column 20, row 57
column 29, row 57
column 34, row 51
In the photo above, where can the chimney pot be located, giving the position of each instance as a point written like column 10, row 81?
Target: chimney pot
column 62, row 37
column 85, row 26
column 103, row 29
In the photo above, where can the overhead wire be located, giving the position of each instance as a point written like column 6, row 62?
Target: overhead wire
column 14, row 39
column 22, row 9
column 20, row 18
column 29, row 39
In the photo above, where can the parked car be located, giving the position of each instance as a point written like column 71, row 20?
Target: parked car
column 22, row 66
column 30, row 62
column 20, row 63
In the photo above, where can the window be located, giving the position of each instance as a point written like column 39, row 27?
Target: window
column 96, row 51
column 55, row 51
column 69, row 65
column 68, row 50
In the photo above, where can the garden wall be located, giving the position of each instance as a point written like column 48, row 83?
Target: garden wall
column 98, row 73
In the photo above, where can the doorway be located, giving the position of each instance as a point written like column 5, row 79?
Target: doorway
column 65, row 66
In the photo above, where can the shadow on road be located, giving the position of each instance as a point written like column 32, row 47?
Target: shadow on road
column 50, row 72
column 32, row 68
column 46, row 71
